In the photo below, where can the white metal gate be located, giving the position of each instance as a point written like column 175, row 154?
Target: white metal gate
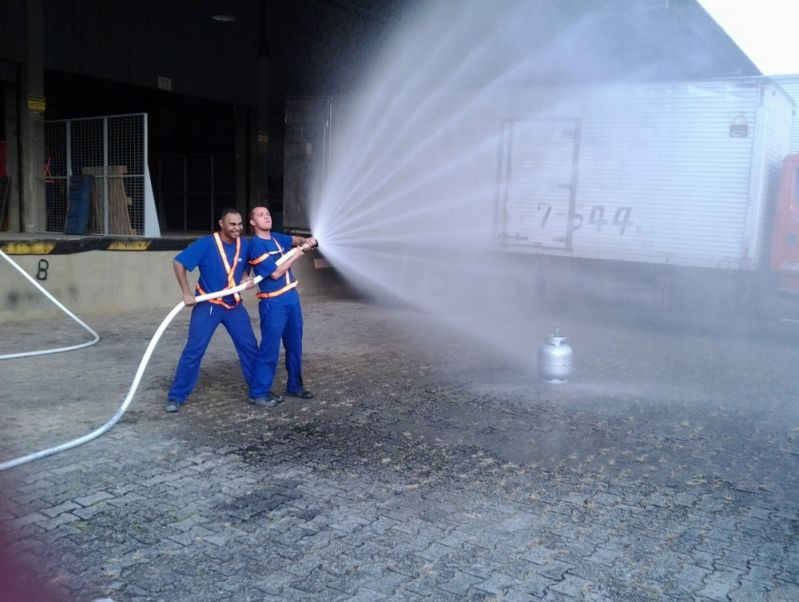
column 113, row 150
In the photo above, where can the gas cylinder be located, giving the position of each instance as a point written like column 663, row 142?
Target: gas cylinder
column 555, row 358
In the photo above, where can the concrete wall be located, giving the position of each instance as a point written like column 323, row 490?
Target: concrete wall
column 107, row 282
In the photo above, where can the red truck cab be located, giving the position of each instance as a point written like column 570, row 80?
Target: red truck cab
column 785, row 250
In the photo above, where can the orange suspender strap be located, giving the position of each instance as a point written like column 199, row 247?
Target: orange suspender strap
column 266, row 255
column 289, row 283
column 277, row 293
column 231, row 271
column 258, row 260
column 216, row 301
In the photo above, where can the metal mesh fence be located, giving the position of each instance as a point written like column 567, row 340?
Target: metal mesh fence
column 55, row 174
column 113, row 150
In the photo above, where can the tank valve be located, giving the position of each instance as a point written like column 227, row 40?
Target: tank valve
column 555, row 358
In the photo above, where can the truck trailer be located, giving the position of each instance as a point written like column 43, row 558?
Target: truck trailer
column 643, row 185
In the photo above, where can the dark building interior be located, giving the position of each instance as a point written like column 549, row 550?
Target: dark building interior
column 212, row 77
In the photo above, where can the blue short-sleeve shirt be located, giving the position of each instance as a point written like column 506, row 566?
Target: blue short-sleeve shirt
column 203, row 253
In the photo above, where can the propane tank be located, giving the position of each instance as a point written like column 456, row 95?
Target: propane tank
column 554, row 358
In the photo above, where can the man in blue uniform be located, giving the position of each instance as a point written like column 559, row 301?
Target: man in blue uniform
column 222, row 259
column 279, row 309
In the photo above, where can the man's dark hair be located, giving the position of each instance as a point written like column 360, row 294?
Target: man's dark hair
column 227, row 211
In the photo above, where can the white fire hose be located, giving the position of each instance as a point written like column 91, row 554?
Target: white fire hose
column 139, row 372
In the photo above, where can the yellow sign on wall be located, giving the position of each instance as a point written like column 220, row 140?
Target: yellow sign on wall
column 37, row 104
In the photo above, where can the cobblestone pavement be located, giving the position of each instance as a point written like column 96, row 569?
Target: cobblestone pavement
column 426, row 467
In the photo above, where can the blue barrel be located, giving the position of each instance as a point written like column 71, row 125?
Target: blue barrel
column 79, row 205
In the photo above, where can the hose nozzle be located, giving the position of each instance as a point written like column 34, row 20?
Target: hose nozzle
column 307, row 246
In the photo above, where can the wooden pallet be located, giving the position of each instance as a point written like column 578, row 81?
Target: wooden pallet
column 118, row 200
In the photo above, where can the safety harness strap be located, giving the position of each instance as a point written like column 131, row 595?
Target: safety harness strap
column 290, row 284
column 277, row 293
column 231, row 271
column 218, row 300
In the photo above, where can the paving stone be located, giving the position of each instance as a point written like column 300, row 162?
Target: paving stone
column 192, row 536
column 538, row 585
column 94, row 498
column 497, row 584
column 590, row 571
column 784, row 592
column 387, row 583
column 571, row 585
column 61, row 519
column 760, row 573
column 125, row 499
column 61, row 508
column 89, row 511
column 716, row 589
column 554, row 569
column 517, row 595
column 605, row 555
column 749, row 591
column 434, row 551
column 539, row 554
column 459, row 583
column 33, row 517
column 190, row 521
column 364, row 596
column 69, row 468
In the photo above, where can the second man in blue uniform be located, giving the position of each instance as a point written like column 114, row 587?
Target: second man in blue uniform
column 278, row 307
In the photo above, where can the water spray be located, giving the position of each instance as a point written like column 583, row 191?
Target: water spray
column 142, row 364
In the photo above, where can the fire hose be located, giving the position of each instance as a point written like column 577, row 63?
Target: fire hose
column 140, row 370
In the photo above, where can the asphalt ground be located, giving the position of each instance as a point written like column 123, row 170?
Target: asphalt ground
column 426, row 467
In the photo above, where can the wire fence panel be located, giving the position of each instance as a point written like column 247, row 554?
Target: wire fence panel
column 113, row 151
column 55, row 174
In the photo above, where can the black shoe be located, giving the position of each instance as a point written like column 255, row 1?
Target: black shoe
column 302, row 394
column 172, row 406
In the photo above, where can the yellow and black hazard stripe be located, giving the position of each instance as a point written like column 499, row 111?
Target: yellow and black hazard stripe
column 79, row 245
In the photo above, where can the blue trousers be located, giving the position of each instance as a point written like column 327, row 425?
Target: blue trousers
column 205, row 317
column 279, row 321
